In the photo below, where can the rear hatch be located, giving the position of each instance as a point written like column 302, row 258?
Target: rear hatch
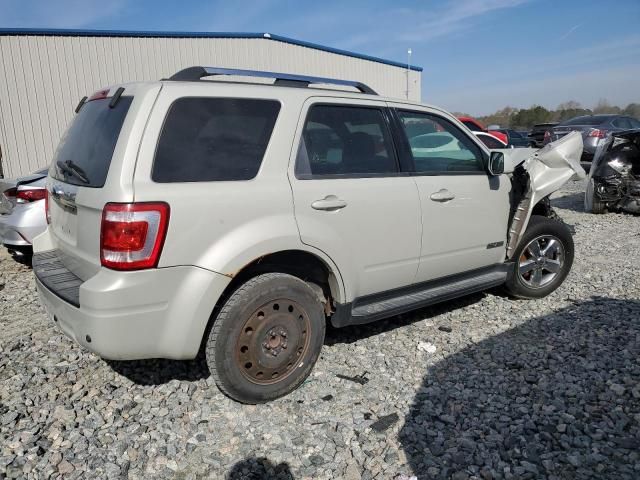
column 93, row 165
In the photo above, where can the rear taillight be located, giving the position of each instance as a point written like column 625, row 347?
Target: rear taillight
column 30, row 195
column 596, row 132
column 47, row 212
column 132, row 235
column 11, row 193
column 547, row 137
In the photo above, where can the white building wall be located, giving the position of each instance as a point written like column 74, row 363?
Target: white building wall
column 42, row 78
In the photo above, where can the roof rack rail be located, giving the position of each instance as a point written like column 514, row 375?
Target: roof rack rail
column 285, row 79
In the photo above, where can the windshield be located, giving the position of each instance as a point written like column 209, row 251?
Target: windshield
column 84, row 154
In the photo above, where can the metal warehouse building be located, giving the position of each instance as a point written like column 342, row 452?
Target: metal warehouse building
column 44, row 74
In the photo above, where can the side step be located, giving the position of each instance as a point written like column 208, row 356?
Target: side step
column 374, row 307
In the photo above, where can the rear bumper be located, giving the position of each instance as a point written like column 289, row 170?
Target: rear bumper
column 23, row 224
column 158, row 313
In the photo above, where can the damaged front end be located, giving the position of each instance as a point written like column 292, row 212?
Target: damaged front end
column 536, row 177
column 614, row 177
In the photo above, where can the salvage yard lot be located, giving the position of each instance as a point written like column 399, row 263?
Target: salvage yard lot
column 514, row 389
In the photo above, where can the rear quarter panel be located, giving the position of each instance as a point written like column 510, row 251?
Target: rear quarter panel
column 224, row 225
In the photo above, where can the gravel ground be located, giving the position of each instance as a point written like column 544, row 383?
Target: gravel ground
column 484, row 387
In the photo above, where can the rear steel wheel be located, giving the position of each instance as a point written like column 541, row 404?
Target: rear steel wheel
column 272, row 340
column 266, row 338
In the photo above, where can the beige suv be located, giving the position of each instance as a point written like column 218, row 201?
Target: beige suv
column 238, row 218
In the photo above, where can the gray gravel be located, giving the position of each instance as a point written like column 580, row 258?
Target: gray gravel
column 514, row 389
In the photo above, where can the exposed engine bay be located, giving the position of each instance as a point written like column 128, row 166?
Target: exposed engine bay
column 614, row 177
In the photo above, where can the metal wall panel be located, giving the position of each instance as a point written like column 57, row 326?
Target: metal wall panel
column 42, row 78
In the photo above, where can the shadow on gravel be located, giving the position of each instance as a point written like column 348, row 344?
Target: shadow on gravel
column 558, row 397
column 573, row 201
column 159, row 371
column 358, row 332
column 259, row 469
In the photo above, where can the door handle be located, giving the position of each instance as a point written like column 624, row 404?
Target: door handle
column 330, row 203
column 442, row 195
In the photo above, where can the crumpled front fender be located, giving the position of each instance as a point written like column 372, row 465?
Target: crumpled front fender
column 548, row 169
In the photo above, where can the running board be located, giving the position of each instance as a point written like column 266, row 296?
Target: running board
column 374, row 307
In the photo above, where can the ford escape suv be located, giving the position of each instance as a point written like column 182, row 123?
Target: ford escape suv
column 240, row 217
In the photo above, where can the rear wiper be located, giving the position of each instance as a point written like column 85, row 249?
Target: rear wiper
column 71, row 168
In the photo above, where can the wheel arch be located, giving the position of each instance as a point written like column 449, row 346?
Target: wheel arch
column 313, row 267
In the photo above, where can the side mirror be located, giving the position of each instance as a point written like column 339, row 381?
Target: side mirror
column 496, row 163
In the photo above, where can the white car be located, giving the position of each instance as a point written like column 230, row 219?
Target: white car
column 243, row 217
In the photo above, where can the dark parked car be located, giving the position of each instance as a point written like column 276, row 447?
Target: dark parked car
column 536, row 136
column 594, row 129
column 515, row 139
column 614, row 178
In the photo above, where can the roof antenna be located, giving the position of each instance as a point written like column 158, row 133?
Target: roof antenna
column 408, row 70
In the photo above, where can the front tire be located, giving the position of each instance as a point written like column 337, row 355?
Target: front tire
column 591, row 201
column 542, row 260
column 266, row 338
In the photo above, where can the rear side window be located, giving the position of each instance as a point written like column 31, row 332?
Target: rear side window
column 347, row 141
column 214, row 139
column 474, row 127
column 491, row 142
column 88, row 144
column 622, row 122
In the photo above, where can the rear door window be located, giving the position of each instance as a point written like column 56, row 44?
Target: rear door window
column 214, row 139
column 345, row 140
column 88, row 145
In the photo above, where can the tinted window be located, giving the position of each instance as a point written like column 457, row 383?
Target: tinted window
column 586, row 120
column 439, row 146
column 491, row 142
column 514, row 134
column 89, row 142
column 341, row 140
column 634, row 123
column 209, row 139
column 622, row 122
column 472, row 126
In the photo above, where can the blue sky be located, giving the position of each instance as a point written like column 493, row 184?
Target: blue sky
column 477, row 55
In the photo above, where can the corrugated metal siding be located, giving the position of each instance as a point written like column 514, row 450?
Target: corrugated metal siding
column 42, row 78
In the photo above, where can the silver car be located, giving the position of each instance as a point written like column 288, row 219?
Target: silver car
column 594, row 129
column 22, row 210
column 240, row 218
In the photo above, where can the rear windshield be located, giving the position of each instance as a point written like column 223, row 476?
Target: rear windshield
column 588, row 120
column 87, row 146
column 214, row 139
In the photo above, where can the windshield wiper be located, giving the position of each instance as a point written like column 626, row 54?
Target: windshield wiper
column 70, row 168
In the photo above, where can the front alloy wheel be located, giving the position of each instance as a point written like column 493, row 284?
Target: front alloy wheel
column 541, row 261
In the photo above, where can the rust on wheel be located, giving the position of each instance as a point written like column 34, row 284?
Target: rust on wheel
column 272, row 341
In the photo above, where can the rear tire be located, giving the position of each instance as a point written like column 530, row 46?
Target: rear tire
column 543, row 259
column 266, row 338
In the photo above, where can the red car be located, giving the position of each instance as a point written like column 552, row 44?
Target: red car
column 475, row 126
